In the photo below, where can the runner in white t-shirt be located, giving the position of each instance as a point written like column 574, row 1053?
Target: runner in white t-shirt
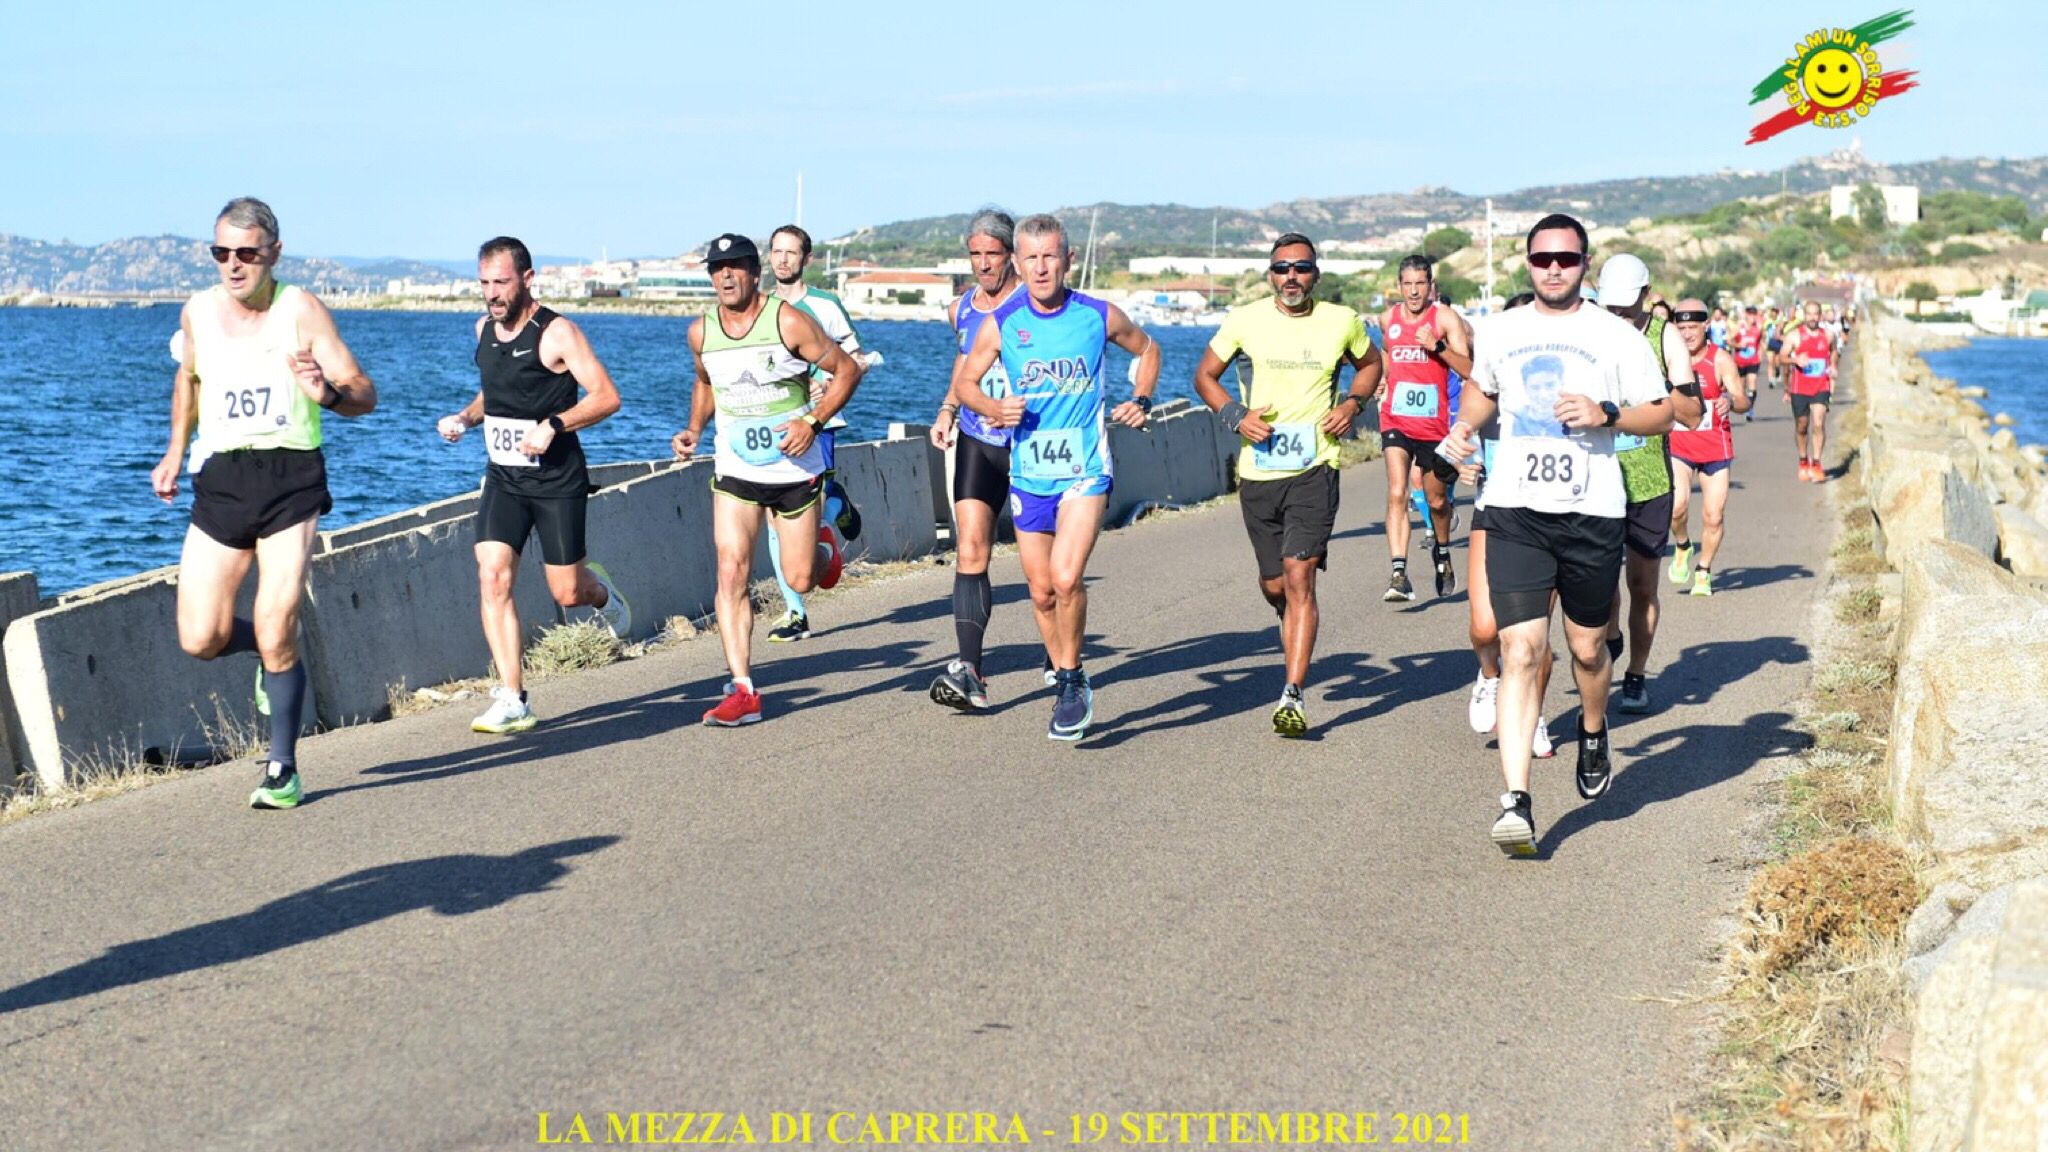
column 1563, row 379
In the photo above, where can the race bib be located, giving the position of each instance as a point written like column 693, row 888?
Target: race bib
column 995, row 383
column 1747, row 351
column 250, row 411
column 1814, row 368
column 1706, row 423
column 1414, row 400
column 1624, row 442
column 756, row 442
column 1051, row 455
column 502, row 437
column 1552, row 468
column 1291, row 448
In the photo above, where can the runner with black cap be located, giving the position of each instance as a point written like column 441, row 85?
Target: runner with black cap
column 754, row 360
column 532, row 362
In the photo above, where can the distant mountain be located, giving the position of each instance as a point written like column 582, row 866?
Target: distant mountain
column 1375, row 217
column 172, row 264
column 462, row 268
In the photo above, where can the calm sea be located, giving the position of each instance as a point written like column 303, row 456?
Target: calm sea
column 2013, row 373
column 84, row 402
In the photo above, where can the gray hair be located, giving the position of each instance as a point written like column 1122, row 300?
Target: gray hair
column 1043, row 224
column 995, row 224
column 249, row 212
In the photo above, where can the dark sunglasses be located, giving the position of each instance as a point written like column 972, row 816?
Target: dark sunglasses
column 1283, row 267
column 1557, row 259
column 245, row 255
column 1690, row 317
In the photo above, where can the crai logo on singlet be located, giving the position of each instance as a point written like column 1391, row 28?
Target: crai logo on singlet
column 1068, row 374
column 1407, row 354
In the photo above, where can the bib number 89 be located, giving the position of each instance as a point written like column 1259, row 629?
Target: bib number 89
column 1550, row 468
column 759, row 438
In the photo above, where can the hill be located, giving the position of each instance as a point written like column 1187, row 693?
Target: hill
column 170, row 264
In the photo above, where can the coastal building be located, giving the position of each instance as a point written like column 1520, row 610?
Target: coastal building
column 1233, row 266
column 897, row 287
column 671, row 280
column 1901, row 202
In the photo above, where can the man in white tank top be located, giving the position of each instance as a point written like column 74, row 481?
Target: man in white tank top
column 260, row 362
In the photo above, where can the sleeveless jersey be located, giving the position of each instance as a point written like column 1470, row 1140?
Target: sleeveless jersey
column 1646, row 460
column 830, row 313
column 519, row 392
column 1714, row 439
column 248, row 397
column 1748, row 341
column 1812, row 354
column 1416, row 401
column 967, row 322
column 758, row 385
column 1054, row 361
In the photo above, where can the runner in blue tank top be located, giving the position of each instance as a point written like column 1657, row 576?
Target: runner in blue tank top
column 1051, row 341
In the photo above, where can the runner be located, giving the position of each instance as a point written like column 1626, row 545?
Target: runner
column 1706, row 451
column 754, row 360
column 1425, row 342
column 1646, row 475
column 260, row 361
column 789, row 253
column 1808, row 361
column 1749, row 358
column 981, row 465
column 1563, row 379
column 532, row 361
column 1294, row 347
column 1051, row 341
column 1482, row 711
column 1774, row 342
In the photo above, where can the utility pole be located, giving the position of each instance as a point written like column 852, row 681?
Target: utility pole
column 1489, row 253
column 799, row 198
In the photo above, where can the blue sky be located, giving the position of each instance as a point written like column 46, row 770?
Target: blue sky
column 418, row 129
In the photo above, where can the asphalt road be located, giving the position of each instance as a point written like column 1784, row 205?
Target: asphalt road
column 868, row 903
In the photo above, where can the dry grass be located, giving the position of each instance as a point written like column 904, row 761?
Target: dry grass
column 123, row 768
column 573, row 648
column 1838, row 898
column 1859, row 606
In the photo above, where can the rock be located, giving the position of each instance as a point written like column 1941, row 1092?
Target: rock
column 2010, row 1113
column 1946, row 1024
column 2035, row 455
column 1972, row 393
column 2005, row 440
column 1968, row 761
column 1909, row 491
column 2003, row 420
column 1966, row 515
column 2022, row 543
column 1929, row 924
column 1983, row 920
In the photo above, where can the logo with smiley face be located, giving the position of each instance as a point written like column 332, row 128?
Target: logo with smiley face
column 1832, row 78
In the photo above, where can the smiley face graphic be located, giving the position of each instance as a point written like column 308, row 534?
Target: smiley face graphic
column 1832, row 78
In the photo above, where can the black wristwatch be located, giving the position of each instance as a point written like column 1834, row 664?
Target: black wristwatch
column 1442, row 342
column 1353, row 398
column 1612, row 411
column 555, row 422
column 1144, row 402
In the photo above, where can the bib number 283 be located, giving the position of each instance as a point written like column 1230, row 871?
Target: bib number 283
column 1551, row 468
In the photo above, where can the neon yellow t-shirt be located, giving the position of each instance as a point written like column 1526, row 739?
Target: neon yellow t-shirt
column 1290, row 366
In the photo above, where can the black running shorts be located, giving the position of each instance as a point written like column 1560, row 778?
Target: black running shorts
column 242, row 496
column 1801, row 405
column 788, row 501
column 1422, row 452
column 981, row 472
column 507, row 517
column 1531, row 554
column 1649, row 526
column 1290, row 518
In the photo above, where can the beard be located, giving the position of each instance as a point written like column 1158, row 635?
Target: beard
column 1565, row 295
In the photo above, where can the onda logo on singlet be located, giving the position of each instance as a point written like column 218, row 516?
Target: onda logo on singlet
column 1070, row 373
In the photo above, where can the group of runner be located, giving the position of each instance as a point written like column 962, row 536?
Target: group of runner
column 1562, row 432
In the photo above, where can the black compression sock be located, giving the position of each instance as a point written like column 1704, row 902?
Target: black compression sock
column 287, row 691
column 241, row 637
column 972, row 604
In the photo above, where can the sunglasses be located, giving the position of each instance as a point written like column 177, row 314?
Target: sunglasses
column 1283, row 267
column 1690, row 317
column 245, row 255
column 1557, row 259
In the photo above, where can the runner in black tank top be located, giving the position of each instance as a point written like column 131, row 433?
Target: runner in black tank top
column 538, row 388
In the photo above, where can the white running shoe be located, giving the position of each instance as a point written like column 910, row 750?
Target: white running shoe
column 616, row 614
column 507, row 713
column 1481, row 711
column 1540, row 745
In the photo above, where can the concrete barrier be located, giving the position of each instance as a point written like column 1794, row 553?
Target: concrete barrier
column 939, row 463
column 891, row 482
column 18, row 598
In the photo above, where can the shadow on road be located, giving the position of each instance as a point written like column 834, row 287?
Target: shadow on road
column 1731, row 579
column 447, row 885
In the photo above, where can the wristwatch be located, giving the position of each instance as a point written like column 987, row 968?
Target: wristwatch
column 555, row 422
column 811, row 418
column 1613, row 412
column 1144, row 402
column 1442, row 342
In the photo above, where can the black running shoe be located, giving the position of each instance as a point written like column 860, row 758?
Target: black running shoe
column 1514, row 832
column 1446, row 577
column 1595, row 772
column 1635, row 694
column 1398, row 588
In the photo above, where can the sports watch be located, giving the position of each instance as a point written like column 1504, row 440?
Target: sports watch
column 1612, row 411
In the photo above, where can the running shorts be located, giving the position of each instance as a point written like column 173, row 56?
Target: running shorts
column 242, row 496
column 1034, row 513
column 506, row 517
column 1290, row 518
column 1531, row 554
column 1801, row 405
column 788, row 501
column 981, row 471
column 1649, row 526
column 1422, row 452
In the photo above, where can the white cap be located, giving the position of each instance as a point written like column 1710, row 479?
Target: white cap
column 1622, row 280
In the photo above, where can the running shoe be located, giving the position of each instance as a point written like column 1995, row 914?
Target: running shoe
column 833, row 561
column 279, row 790
column 614, row 613
column 1446, row 577
column 1681, row 560
column 1483, row 712
column 739, row 707
column 959, row 686
column 1540, row 745
column 1820, row 473
column 1702, row 583
column 262, row 697
column 1399, row 588
column 848, row 517
column 1515, row 831
column 1290, row 719
column 1594, row 773
column 507, row 713
column 1635, row 693
column 1052, row 675
column 1074, row 708
column 792, row 627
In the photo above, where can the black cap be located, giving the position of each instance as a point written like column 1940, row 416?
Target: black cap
column 731, row 248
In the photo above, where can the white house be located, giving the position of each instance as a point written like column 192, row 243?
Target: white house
column 891, row 287
column 1901, row 202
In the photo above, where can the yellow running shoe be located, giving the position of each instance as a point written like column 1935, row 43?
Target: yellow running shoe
column 1702, row 582
column 1681, row 559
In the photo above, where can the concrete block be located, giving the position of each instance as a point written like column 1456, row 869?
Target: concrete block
column 403, row 609
column 611, row 475
column 891, row 482
column 940, row 465
column 18, row 598
column 653, row 535
column 439, row 512
column 2010, row 1112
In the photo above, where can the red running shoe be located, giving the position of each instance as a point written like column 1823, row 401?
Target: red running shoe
column 834, row 560
column 739, row 707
